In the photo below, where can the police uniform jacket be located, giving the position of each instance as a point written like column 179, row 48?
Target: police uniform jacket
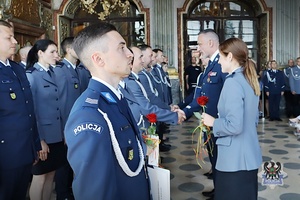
column 287, row 72
column 238, row 146
column 210, row 84
column 65, row 71
column 157, row 82
column 274, row 82
column 163, row 78
column 47, row 93
column 294, row 79
column 147, row 81
column 163, row 115
column 84, row 77
column 19, row 139
column 98, row 174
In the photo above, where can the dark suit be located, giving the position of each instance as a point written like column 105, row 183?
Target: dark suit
column 90, row 150
column 19, row 139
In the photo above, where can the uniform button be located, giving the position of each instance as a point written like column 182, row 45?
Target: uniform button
column 31, row 129
column 26, row 101
column 29, row 115
column 56, row 99
column 2, row 141
column 57, row 108
column 203, row 83
column 23, row 88
column 57, row 118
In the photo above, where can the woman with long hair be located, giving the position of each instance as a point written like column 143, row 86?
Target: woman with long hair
column 46, row 97
column 239, row 153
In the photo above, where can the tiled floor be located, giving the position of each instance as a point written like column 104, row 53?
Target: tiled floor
column 277, row 141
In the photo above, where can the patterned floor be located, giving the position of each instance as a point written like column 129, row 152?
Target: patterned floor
column 277, row 141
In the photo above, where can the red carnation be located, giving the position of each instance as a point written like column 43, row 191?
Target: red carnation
column 151, row 117
column 202, row 101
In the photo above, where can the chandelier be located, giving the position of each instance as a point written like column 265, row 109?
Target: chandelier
column 106, row 7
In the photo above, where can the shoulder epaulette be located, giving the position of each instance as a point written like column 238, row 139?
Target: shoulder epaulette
column 30, row 70
column 59, row 64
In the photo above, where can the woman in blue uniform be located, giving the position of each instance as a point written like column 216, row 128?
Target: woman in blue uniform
column 239, row 153
column 46, row 90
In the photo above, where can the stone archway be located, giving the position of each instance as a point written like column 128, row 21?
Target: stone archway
column 265, row 37
column 66, row 12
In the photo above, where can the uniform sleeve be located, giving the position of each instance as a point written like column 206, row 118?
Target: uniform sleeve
column 163, row 115
column 90, row 155
column 153, row 99
column 232, row 101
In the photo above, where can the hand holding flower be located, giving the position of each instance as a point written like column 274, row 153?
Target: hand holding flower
column 207, row 119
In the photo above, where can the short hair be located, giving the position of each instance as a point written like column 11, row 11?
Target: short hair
column 67, row 42
column 157, row 50
column 5, row 23
column 211, row 33
column 143, row 47
column 86, row 38
column 33, row 57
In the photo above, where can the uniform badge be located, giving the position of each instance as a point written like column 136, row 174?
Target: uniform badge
column 130, row 153
column 13, row 95
column 76, row 86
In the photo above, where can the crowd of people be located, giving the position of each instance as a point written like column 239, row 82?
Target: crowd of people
column 81, row 118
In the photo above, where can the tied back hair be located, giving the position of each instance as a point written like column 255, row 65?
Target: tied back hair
column 33, row 56
column 239, row 51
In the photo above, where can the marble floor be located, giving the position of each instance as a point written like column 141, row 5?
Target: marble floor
column 277, row 141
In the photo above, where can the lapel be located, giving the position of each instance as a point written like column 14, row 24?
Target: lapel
column 128, row 94
column 7, row 71
column 44, row 74
column 209, row 68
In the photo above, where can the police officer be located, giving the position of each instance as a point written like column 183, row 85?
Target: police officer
column 294, row 81
column 274, row 85
column 101, row 133
column 210, row 84
column 18, row 143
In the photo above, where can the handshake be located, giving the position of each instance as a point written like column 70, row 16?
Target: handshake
column 180, row 113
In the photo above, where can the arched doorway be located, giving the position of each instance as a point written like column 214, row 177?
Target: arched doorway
column 133, row 25
column 248, row 20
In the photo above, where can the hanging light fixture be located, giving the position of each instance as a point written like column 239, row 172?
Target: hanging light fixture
column 106, row 7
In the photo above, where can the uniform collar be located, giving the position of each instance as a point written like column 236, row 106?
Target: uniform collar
column 135, row 75
column 43, row 67
column 66, row 60
column 213, row 57
column 7, row 64
column 114, row 90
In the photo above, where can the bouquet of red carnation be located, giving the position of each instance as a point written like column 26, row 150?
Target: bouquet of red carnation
column 152, row 119
column 150, row 138
column 203, row 129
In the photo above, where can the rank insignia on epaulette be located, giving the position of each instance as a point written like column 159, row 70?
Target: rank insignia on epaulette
column 76, row 86
column 130, row 153
column 13, row 95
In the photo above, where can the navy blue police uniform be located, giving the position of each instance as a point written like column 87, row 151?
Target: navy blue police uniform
column 103, row 140
column 274, row 83
column 210, row 84
column 19, row 140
